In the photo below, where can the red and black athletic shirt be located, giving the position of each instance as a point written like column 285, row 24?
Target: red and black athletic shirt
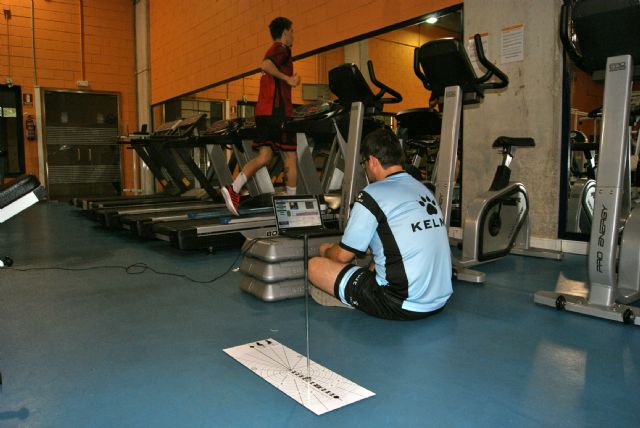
column 275, row 94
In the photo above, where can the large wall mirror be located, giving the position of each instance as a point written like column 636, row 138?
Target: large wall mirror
column 390, row 49
column 582, row 124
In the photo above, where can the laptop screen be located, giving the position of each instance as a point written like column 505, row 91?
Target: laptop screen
column 297, row 211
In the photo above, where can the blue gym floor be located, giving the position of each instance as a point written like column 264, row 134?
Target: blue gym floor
column 103, row 348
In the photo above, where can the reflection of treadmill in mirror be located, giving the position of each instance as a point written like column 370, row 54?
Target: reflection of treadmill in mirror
column 164, row 167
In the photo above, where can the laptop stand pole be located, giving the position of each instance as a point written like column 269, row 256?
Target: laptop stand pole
column 306, row 297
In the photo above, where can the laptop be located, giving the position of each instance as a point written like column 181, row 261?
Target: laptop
column 299, row 215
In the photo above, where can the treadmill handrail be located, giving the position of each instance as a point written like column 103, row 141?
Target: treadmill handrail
column 189, row 125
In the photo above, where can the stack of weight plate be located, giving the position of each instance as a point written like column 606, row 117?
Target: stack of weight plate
column 273, row 268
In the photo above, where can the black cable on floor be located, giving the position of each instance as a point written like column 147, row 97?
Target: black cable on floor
column 140, row 268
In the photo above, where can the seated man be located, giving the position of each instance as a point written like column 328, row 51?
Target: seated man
column 398, row 219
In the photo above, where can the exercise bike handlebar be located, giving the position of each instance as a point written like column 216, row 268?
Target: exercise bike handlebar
column 384, row 89
column 569, row 46
column 418, row 71
column 492, row 70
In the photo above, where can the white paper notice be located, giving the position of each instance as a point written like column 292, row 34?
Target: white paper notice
column 513, row 43
column 284, row 368
column 471, row 51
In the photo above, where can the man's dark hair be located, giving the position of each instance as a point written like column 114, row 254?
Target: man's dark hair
column 384, row 145
column 278, row 25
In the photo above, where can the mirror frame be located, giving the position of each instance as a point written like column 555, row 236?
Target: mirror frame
column 567, row 96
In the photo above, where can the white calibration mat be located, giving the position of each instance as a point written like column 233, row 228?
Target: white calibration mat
column 287, row 370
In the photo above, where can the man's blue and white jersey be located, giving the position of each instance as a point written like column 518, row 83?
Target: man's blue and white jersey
column 399, row 219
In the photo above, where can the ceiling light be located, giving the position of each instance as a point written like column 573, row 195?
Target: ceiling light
column 431, row 20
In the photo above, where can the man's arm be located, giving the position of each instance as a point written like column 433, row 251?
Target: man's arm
column 270, row 68
column 336, row 253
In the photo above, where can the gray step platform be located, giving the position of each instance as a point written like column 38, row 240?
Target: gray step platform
column 274, row 267
column 272, row 272
column 281, row 271
column 271, row 292
column 281, row 249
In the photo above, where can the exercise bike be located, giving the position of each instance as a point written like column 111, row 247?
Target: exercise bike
column 419, row 133
column 497, row 221
column 607, row 36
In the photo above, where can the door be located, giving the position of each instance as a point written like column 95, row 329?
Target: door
column 11, row 135
column 82, row 153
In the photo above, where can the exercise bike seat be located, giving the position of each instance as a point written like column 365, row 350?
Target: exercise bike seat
column 420, row 121
column 584, row 147
column 424, row 144
column 513, row 142
column 11, row 192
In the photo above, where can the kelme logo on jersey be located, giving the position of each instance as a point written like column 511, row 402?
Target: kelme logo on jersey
column 431, row 208
column 429, row 204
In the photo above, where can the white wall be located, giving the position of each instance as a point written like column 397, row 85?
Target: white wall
column 529, row 107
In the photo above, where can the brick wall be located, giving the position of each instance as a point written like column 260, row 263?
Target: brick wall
column 108, row 57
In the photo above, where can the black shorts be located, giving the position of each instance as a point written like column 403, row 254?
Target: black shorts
column 363, row 292
column 269, row 133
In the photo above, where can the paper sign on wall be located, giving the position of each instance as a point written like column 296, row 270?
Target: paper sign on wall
column 512, row 44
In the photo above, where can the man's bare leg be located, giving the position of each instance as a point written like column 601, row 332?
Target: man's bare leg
column 323, row 273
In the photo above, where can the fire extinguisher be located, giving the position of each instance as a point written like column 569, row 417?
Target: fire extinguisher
column 30, row 124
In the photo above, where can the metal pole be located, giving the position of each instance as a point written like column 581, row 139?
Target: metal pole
column 306, row 299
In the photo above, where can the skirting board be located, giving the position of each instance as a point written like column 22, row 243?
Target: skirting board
column 572, row 247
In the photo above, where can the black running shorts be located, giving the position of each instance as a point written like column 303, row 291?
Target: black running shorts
column 363, row 292
column 269, row 133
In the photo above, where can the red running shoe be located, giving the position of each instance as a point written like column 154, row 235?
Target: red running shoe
column 231, row 199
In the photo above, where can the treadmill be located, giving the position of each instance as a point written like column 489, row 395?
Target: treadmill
column 163, row 166
column 181, row 144
column 223, row 134
column 256, row 218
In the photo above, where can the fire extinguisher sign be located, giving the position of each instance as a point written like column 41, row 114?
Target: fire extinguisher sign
column 31, row 128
